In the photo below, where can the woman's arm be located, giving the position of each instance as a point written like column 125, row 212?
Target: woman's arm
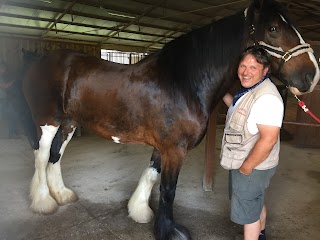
column 228, row 98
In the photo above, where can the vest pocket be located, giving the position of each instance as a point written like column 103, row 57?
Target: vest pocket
column 232, row 158
column 235, row 138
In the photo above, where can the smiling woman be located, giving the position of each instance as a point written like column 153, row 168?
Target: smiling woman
column 251, row 143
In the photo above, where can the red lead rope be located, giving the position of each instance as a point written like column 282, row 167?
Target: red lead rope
column 304, row 107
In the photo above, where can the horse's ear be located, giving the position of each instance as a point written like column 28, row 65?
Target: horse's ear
column 258, row 4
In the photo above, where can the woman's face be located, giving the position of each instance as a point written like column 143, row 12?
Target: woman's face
column 250, row 71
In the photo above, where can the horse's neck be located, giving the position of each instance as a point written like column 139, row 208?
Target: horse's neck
column 200, row 63
column 221, row 70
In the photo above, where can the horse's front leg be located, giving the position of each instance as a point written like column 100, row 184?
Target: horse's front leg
column 42, row 202
column 165, row 228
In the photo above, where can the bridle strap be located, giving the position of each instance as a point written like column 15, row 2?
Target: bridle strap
column 285, row 56
column 278, row 51
column 293, row 52
column 284, row 81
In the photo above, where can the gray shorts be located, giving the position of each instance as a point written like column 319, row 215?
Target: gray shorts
column 246, row 193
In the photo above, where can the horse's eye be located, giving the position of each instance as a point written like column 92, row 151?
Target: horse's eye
column 272, row 29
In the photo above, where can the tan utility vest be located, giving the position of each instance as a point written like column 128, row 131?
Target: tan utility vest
column 237, row 141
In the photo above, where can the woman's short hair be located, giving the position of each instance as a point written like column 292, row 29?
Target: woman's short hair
column 259, row 53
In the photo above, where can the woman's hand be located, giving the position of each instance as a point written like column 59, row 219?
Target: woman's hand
column 245, row 170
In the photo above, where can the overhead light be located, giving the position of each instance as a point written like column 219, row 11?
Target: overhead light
column 120, row 15
column 116, row 14
column 45, row 1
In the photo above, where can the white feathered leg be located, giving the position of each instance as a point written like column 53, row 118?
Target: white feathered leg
column 42, row 202
column 56, row 185
column 138, row 206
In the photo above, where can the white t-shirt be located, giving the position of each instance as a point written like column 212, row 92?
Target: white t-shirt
column 267, row 110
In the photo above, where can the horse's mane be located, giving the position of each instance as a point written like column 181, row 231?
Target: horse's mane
column 204, row 54
column 209, row 55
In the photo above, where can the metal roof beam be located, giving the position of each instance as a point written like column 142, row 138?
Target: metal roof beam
column 104, row 4
column 72, row 33
column 53, row 24
column 77, row 24
column 135, row 20
column 76, row 13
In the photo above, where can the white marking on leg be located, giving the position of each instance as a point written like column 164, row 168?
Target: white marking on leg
column 138, row 206
column 116, row 139
column 42, row 202
column 56, row 185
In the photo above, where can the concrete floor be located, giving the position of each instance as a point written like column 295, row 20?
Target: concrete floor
column 104, row 175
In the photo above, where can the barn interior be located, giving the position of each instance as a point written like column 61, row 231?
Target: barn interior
column 104, row 174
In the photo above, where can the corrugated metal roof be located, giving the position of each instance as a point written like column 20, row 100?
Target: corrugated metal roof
column 145, row 24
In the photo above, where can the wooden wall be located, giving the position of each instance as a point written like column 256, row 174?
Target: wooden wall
column 11, row 48
column 11, row 55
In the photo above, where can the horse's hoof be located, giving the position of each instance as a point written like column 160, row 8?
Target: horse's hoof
column 45, row 205
column 179, row 233
column 140, row 212
column 64, row 196
column 173, row 232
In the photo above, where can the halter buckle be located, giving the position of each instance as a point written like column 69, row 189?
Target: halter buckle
column 252, row 29
column 286, row 57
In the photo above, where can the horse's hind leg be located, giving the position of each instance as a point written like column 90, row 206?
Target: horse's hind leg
column 56, row 185
column 42, row 202
column 138, row 206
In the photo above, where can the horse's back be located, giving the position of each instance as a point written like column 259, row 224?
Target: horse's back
column 53, row 79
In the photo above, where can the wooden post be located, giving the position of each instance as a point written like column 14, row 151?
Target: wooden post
column 207, row 181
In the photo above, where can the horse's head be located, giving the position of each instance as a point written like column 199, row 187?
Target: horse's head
column 293, row 60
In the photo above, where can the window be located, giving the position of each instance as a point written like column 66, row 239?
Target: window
column 122, row 57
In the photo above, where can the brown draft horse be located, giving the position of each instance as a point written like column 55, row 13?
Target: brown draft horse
column 164, row 101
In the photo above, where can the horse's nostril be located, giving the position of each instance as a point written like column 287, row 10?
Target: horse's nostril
column 309, row 78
